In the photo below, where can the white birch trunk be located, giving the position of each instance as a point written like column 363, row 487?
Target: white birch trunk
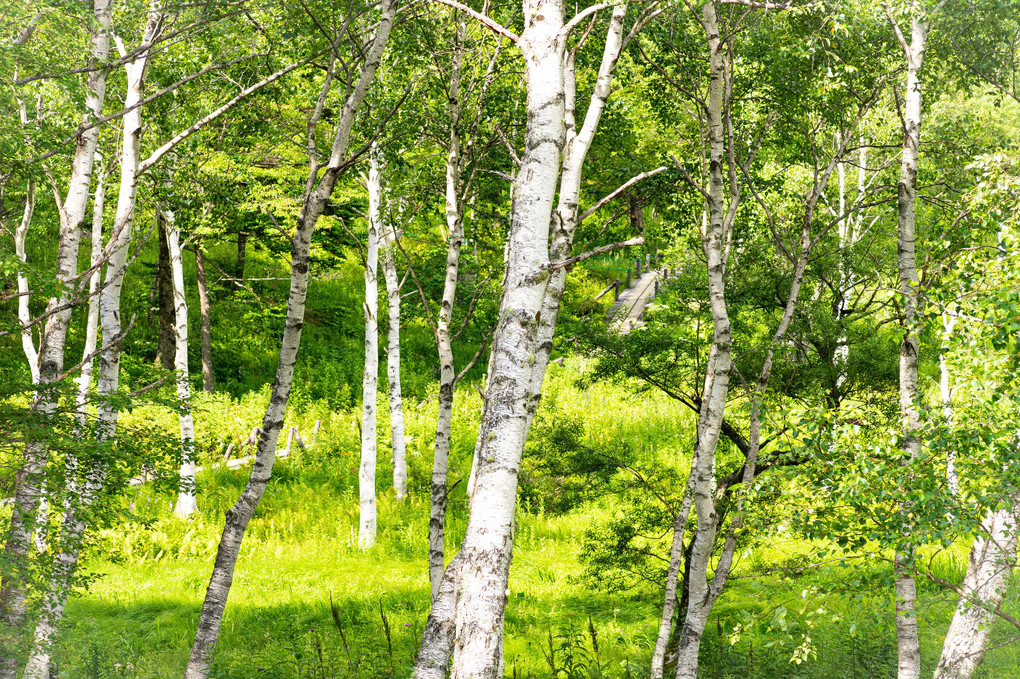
column 51, row 350
column 187, row 502
column 488, row 543
column 946, row 395
column 908, row 646
column 92, row 321
column 447, row 370
column 393, row 362
column 370, row 379
column 75, row 519
column 317, row 192
column 24, row 313
column 719, row 363
column 992, row 558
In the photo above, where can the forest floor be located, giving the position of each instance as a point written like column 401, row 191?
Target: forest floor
column 307, row 603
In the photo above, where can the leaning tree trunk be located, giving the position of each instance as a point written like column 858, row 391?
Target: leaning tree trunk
column 908, row 645
column 204, row 308
column 370, row 380
column 486, row 551
column 187, row 502
column 315, row 198
column 51, row 351
column 393, row 363
column 992, row 558
column 444, row 346
column 93, row 471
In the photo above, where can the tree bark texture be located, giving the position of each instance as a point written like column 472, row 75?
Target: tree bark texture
column 51, row 350
column 992, row 558
column 370, row 378
column 317, row 192
column 208, row 380
column 719, row 363
column 444, row 346
column 187, row 501
column 488, row 542
column 393, row 361
column 85, row 493
column 908, row 646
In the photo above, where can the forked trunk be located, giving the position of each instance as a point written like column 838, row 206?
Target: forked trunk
column 27, row 493
column 83, row 495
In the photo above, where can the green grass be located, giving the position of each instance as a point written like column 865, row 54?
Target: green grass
column 138, row 616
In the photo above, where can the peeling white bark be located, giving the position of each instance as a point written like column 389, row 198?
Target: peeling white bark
column 908, row 646
column 992, row 558
column 52, row 345
column 370, row 378
column 75, row 520
column 444, row 346
column 317, row 192
column 393, row 362
column 187, row 502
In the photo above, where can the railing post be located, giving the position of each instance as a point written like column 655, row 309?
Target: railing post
column 628, row 279
column 637, row 267
column 656, row 288
column 616, row 290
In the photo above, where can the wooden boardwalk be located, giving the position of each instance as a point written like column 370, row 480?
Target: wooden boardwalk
column 628, row 311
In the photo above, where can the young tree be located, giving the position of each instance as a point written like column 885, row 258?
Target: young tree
column 317, row 191
column 370, row 379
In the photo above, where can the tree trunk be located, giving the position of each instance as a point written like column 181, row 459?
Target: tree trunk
column 909, row 650
column 488, row 543
column 447, row 370
column 719, row 363
column 81, row 497
column 315, row 197
column 672, row 576
column 992, row 558
column 24, row 312
column 51, row 351
column 370, row 380
column 92, row 321
column 165, row 342
column 187, row 502
column 204, row 308
column 242, row 257
column 520, row 353
column 393, row 361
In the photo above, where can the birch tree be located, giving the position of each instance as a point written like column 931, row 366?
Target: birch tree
column 317, row 191
column 479, row 579
column 393, row 286
column 907, row 643
column 51, row 350
column 187, row 502
column 370, row 378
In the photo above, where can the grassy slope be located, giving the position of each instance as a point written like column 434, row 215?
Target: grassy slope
column 137, row 618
